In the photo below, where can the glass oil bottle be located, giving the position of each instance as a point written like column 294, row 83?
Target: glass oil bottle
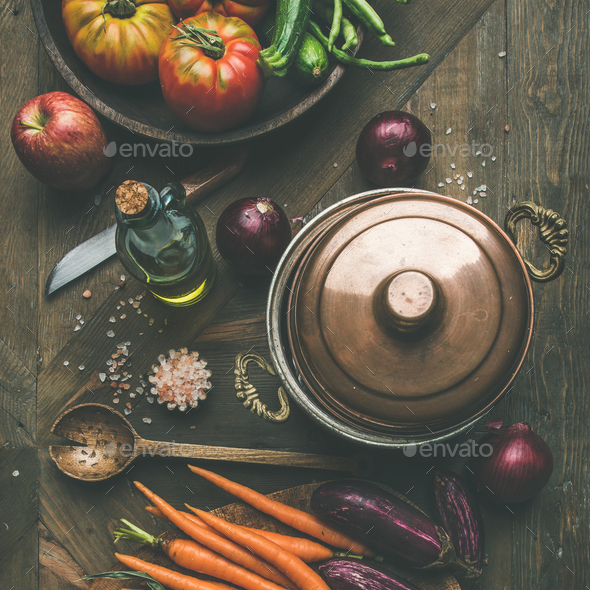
column 163, row 243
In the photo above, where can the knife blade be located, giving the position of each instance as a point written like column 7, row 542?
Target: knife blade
column 100, row 247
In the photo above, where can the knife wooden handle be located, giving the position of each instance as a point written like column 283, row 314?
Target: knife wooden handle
column 225, row 166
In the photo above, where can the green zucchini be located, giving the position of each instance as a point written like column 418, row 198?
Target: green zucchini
column 311, row 66
column 290, row 26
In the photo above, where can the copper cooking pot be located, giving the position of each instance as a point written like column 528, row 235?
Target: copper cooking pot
column 401, row 316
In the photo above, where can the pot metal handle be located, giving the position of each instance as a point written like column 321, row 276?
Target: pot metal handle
column 553, row 233
column 249, row 394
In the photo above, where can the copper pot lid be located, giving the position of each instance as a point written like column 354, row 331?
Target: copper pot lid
column 411, row 313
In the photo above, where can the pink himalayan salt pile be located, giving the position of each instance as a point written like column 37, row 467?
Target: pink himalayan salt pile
column 181, row 379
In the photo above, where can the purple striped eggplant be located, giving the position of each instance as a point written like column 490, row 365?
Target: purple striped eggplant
column 383, row 521
column 461, row 518
column 352, row 574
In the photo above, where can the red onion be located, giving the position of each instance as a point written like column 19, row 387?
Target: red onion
column 393, row 149
column 519, row 466
column 252, row 235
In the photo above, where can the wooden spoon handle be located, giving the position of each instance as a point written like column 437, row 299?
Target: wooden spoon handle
column 360, row 464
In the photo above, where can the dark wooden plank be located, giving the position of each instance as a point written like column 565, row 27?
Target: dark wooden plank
column 18, row 277
column 548, row 163
column 18, row 391
column 19, row 569
column 18, row 509
column 57, row 568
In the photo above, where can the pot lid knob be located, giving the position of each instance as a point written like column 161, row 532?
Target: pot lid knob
column 409, row 303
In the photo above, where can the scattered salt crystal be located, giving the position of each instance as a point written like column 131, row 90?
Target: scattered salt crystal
column 111, row 369
column 118, row 307
column 132, row 395
column 449, row 180
column 139, row 389
column 128, row 343
column 448, row 132
column 87, row 294
column 171, row 406
column 493, row 158
column 79, row 317
column 136, row 304
column 502, row 54
column 453, row 166
column 469, row 201
column 76, row 328
column 110, row 334
column 463, row 188
column 483, row 163
column 160, row 330
column 193, row 427
column 475, row 201
column 112, row 319
column 81, row 322
column 139, row 312
column 102, row 376
column 150, row 400
column 130, row 300
column 116, row 400
column 15, row 473
column 119, row 391
column 115, row 377
column 483, row 194
column 81, row 367
column 478, row 153
column 66, row 363
column 126, row 411
column 139, row 297
column 470, row 174
column 123, row 278
column 441, row 184
column 123, row 316
column 122, row 303
column 459, row 182
column 433, row 105
column 152, row 321
column 147, row 420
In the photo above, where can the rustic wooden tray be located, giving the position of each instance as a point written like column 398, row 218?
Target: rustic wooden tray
column 142, row 109
column 240, row 513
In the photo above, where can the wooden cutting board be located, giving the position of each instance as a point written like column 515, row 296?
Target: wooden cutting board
column 240, row 513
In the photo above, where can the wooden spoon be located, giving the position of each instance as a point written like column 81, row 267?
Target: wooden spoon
column 108, row 444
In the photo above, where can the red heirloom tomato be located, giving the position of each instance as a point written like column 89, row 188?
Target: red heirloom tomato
column 119, row 40
column 208, row 72
column 250, row 11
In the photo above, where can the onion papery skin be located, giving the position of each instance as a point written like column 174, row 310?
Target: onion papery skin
column 252, row 235
column 388, row 150
column 518, row 468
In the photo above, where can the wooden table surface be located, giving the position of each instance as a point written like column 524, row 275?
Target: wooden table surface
column 530, row 107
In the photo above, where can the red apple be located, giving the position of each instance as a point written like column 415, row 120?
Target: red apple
column 60, row 141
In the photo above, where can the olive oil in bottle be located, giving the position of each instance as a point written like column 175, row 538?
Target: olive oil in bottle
column 163, row 243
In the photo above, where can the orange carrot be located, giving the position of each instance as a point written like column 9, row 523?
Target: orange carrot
column 308, row 551
column 193, row 556
column 288, row 563
column 299, row 520
column 216, row 542
column 168, row 577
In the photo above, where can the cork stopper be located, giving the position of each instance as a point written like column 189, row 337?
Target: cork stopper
column 131, row 197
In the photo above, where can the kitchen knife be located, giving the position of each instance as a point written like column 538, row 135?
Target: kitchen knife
column 92, row 252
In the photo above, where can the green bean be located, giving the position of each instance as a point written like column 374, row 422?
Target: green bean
column 336, row 23
column 369, row 17
column 347, row 29
column 346, row 59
